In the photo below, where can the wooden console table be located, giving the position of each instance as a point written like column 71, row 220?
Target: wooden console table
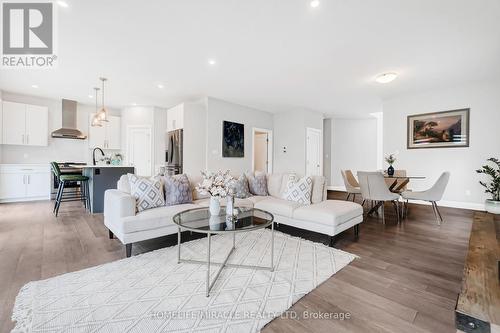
column 478, row 305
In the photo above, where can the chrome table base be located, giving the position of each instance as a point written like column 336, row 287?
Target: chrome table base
column 223, row 264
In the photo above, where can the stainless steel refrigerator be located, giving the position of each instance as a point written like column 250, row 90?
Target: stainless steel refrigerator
column 173, row 154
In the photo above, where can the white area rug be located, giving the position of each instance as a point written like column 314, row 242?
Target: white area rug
column 152, row 293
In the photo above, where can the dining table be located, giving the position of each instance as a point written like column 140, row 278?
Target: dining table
column 400, row 181
column 396, row 186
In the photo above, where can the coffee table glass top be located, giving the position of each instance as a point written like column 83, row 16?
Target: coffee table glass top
column 200, row 220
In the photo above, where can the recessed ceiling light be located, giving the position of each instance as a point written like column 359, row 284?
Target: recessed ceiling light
column 134, row 104
column 34, row 86
column 62, row 4
column 212, row 62
column 314, row 3
column 161, row 86
column 386, row 77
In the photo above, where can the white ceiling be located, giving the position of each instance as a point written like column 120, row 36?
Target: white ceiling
column 275, row 55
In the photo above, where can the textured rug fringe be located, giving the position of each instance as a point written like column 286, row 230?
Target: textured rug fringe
column 21, row 313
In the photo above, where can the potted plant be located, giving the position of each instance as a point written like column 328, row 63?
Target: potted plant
column 391, row 158
column 493, row 186
column 217, row 185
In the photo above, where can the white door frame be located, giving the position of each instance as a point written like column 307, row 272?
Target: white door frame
column 151, row 151
column 320, row 132
column 269, row 147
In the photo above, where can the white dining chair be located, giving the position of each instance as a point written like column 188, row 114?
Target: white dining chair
column 432, row 195
column 374, row 188
column 351, row 184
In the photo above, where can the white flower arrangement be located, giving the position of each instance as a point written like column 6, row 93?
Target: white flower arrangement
column 215, row 184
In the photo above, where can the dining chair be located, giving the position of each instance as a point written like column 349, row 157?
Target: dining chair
column 432, row 195
column 374, row 188
column 351, row 184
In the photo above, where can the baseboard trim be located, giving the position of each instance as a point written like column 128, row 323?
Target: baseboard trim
column 442, row 203
column 44, row 198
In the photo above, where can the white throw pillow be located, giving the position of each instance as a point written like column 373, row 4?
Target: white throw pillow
column 148, row 192
column 298, row 189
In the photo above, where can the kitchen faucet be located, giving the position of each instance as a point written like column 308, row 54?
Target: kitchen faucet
column 93, row 154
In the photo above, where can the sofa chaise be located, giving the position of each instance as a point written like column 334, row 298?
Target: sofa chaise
column 329, row 217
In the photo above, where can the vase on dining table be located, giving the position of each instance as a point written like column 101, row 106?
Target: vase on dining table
column 390, row 171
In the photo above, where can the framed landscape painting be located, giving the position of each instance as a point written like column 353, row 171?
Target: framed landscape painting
column 233, row 139
column 446, row 129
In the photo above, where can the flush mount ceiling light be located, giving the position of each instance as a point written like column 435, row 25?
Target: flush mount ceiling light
column 386, row 77
column 63, row 4
column 314, row 3
column 212, row 62
column 160, row 86
column 90, row 96
column 102, row 115
column 34, row 86
column 95, row 120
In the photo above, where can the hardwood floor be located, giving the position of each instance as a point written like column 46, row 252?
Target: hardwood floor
column 406, row 279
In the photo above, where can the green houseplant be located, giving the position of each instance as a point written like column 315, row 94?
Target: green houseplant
column 493, row 186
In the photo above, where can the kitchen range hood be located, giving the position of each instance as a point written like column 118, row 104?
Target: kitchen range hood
column 68, row 130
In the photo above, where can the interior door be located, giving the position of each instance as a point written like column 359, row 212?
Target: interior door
column 139, row 150
column 260, row 152
column 14, row 123
column 113, row 133
column 37, row 130
column 313, row 152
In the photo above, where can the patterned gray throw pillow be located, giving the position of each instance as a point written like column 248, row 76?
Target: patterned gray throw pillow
column 240, row 187
column 257, row 184
column 298, row 190
column 177, row 190
column 148, row 192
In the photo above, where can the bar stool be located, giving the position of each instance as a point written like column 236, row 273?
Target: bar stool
column 63, row 180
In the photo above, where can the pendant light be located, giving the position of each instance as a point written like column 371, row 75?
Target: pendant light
column 102, row 115
column 95, row 122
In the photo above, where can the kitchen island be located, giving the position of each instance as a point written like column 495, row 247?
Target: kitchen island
column 102, row 178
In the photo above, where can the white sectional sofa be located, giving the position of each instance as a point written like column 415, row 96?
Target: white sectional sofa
column 329, row 217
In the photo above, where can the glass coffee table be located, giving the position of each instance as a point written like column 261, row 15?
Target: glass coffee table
column 199, row 220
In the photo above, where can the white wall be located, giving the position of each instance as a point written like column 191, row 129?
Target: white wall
column 290, row 132
column 58, row 149
column 195, row 137
column 327, row 150
column 218, row 111
column 354, row 146
column 483, row 99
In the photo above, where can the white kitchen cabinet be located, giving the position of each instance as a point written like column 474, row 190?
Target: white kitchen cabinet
column 14, row 123
column 12, row 186
column 113, row 133
column 24, row 182
column 24, row 124
column 175, row 118
column 37, row 125
column 108, row 136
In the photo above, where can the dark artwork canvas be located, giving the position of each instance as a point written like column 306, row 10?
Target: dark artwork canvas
column 439, row 129
column 233, row 139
